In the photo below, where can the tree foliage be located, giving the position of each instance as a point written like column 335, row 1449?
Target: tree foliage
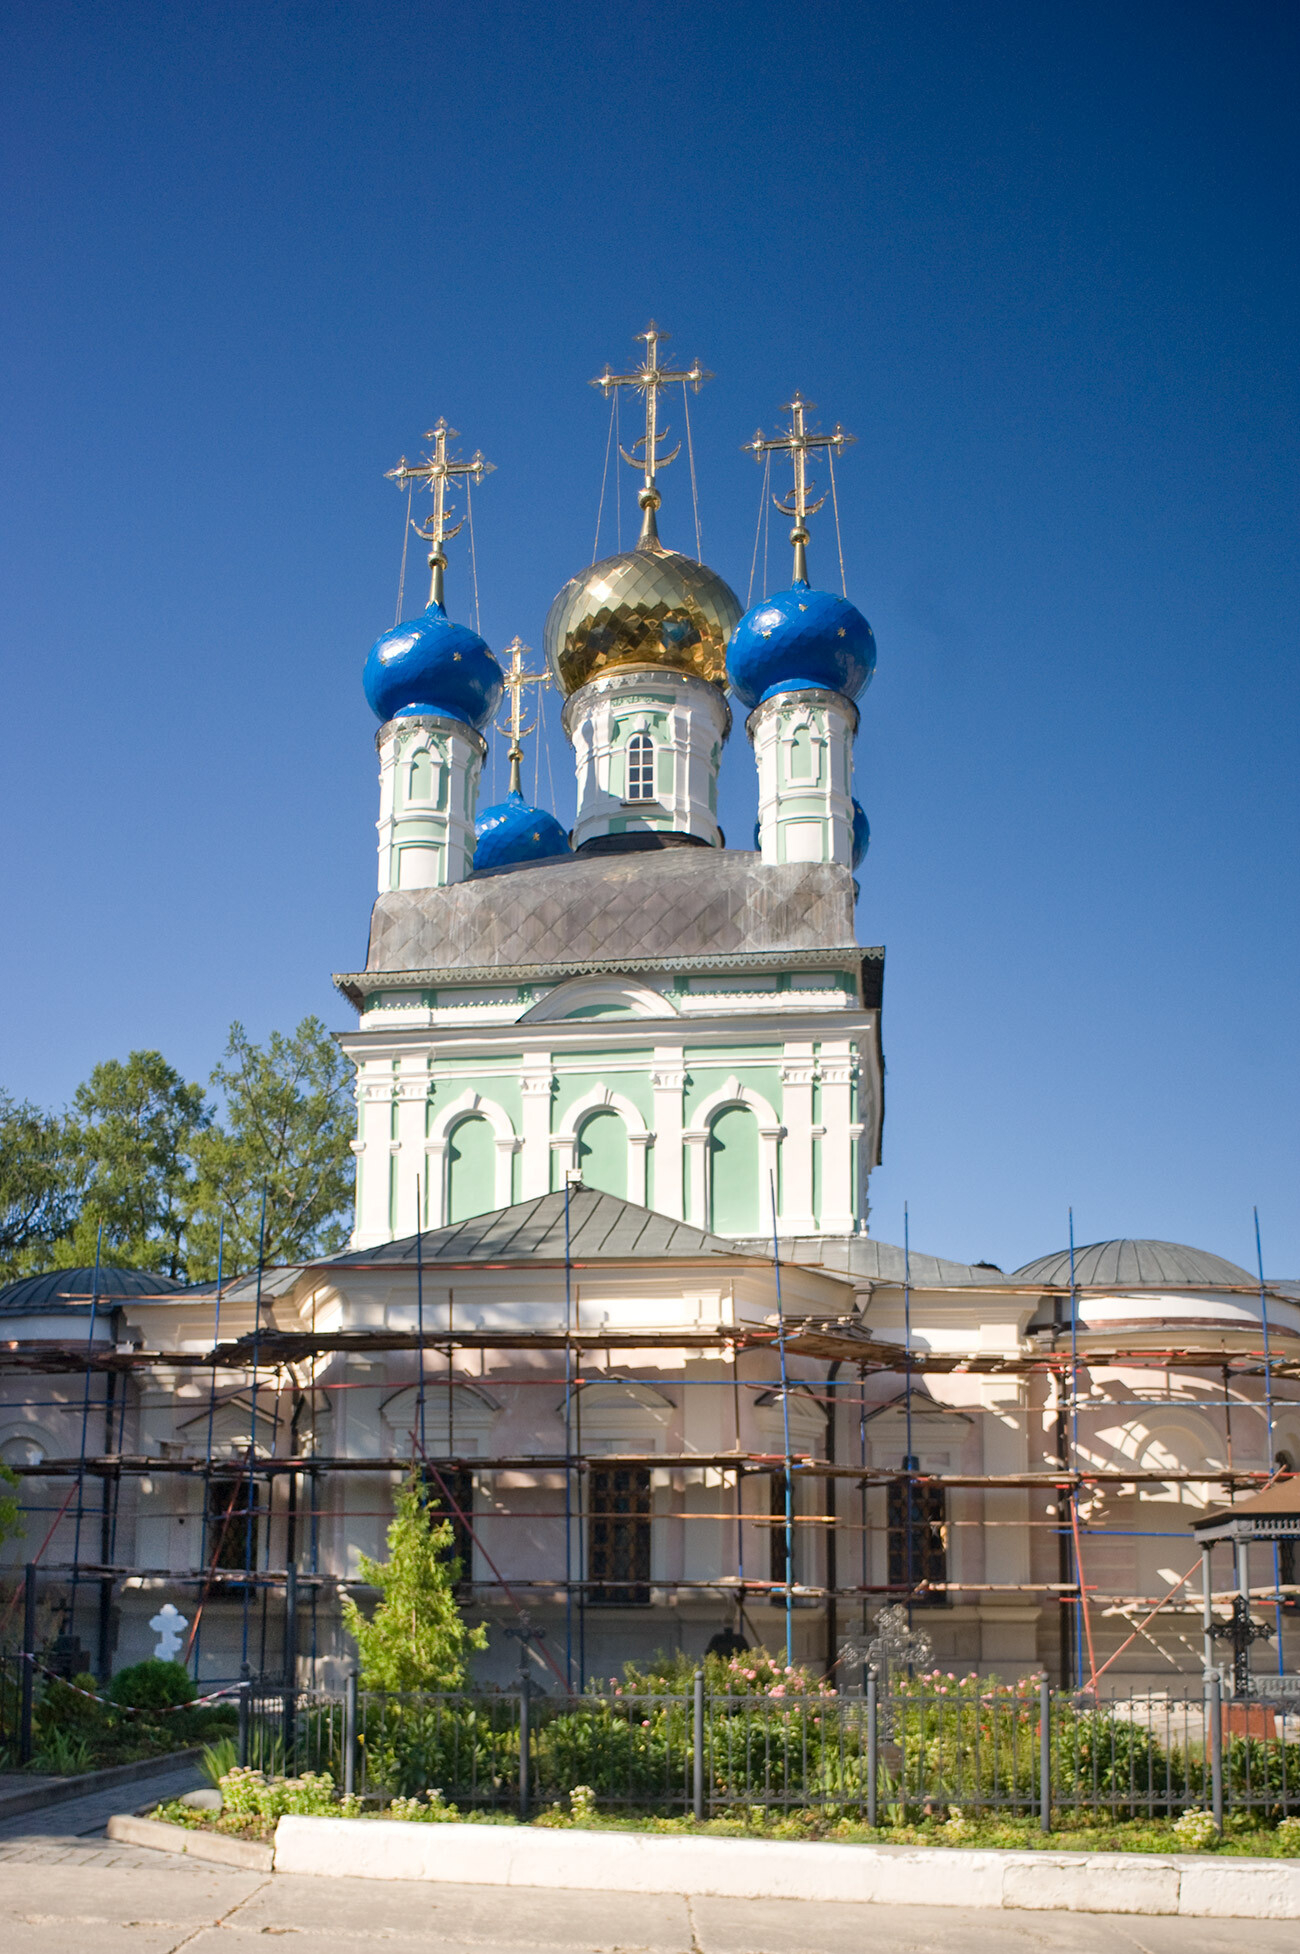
column 144, row 1173
column 134, row 1129
column 417, row 1638
column 288, row 1125
column 39, row 1185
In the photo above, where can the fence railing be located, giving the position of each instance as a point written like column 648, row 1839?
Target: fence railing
column 881, row 1757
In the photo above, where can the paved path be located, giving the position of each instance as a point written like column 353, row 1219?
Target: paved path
column 64, row 1889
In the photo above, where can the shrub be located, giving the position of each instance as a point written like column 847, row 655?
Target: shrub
column 249, row 1794
column 152, row 1685
column 1196, row 1830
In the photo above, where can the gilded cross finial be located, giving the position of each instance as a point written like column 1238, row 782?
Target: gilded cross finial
column 515, row 678
column 650, row 378
column 435, row 471
column 798, row 443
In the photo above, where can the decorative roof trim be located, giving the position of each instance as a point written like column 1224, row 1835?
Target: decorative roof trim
column 363, row 983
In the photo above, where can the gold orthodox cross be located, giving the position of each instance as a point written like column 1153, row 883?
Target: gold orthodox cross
column 515, row 678
column 435, row 471
column 798, row 444
column 649, row 379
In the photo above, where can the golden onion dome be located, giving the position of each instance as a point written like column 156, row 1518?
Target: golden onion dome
column 646, row 606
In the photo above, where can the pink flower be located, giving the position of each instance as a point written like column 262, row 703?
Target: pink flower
column 778, row 1689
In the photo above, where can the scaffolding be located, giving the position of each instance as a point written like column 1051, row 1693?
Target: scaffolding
column 259, row 1542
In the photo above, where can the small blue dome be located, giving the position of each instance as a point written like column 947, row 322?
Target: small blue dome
column 798, row 638
column 513, row 832
column 861, row 834
column 432, row 665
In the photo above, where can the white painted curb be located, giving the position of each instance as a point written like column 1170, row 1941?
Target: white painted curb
column 772, row 1869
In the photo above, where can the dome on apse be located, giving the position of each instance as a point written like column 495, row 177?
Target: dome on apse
column 647, row 606
column 800, row 638
column 861, row 834
column 430, row 664
column 512, row 832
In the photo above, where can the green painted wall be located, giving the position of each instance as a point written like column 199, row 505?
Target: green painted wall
column 632, row 1082
column 471, row 1168
column 734, row 1195
column 602, row 1153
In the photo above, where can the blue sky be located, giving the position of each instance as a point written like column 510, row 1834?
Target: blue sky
column 1041, row 261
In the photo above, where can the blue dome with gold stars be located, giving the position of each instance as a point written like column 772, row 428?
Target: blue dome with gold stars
column 513, row 832
column 800, row 638
column 431, row 664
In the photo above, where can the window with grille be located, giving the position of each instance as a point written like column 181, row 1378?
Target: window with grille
column 618, row 1536
column 450, row 1494
column 918, row 1540
column 232, row 1522
column 640, row 768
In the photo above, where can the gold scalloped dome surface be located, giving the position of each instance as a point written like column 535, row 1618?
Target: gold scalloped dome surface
column 647, row 606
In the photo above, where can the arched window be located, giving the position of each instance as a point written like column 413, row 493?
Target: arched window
column 419, row 778
column 640, row 768
column 735, row 1204
column 602, row 1153
column 801, row 755
column 471, row 1168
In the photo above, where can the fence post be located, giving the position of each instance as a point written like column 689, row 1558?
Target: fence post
column 1045, row 1755
column 525, row 1761
column 290, row 1723
column 245, row 1713
column 697, row 1747
column 350, row 1734
column 27, row 1666
column 1214, row 1716
column 873, row 1745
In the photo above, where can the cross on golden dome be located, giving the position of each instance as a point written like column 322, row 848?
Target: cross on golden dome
column 514, row 679
column 650, row 379
column 435, row 471
column 798, row 443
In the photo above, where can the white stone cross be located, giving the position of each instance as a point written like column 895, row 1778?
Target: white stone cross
column 168, row 1625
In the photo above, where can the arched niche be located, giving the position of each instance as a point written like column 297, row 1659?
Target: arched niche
column 602, row 1152
column 471, row 1168
column 735, row 1193
column 457, row 1422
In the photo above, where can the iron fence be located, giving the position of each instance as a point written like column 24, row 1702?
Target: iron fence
column 882, row 1757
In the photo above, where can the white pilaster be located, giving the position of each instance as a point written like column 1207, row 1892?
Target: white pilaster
column 803, row 748
column 686, row 721
column 797, row 1217
column 838, row 1067
column 428, row 791
column 668, row 1082
column 536, row 1085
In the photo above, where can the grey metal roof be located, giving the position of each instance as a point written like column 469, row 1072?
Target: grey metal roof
column 873, row 1261
column 58, row 1288
column 1136, row 1263
column 681, row 903
column 601, row 1229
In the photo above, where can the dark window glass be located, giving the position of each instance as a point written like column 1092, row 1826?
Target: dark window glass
column 640, row 768
column 453, row 1501
column 777, row 1557
column 618, row 1535
column 918, row 1539
column 232, row 1522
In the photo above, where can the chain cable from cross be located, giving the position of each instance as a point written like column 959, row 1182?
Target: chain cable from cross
column 797, row 442
column 435, row 472
column 514, row 678
column 650, row 379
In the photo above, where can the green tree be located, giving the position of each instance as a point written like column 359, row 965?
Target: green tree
column 287, row 1126
column 40, row 1189
column 11, row 1513
column 135, row 1125
column 417, row 1637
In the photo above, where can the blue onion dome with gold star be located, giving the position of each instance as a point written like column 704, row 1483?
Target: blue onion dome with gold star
column 799, row 638
column 513, row 832
column 431, row 664
column 647, row 606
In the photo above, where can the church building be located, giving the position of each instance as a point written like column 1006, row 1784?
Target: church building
column 612, row 1288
